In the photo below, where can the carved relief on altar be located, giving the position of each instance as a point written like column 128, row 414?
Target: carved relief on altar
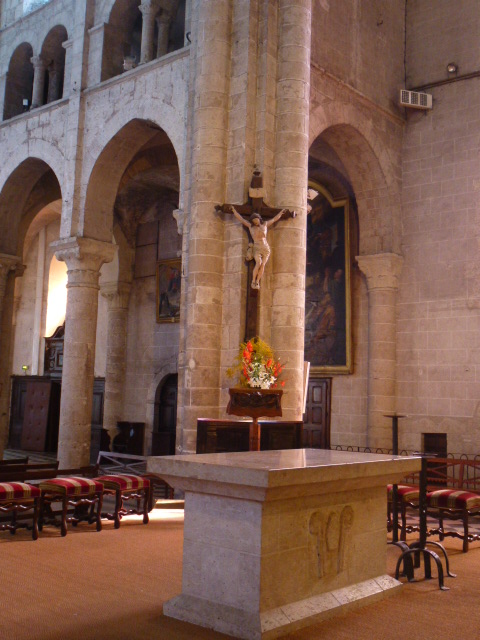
column 330, row 535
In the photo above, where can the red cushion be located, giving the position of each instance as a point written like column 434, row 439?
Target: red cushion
column 124, row 482
column 18, row 491
column 453, row 499
column 72, row 486
column 406, row 493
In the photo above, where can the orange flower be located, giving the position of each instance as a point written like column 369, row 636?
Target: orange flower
column 282, row 383
column 250, row 346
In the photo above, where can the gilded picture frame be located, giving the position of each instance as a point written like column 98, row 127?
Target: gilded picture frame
column 168, row 284
column 328, row 343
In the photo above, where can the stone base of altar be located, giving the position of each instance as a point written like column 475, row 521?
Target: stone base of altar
column 282, row 620
column 277, row 540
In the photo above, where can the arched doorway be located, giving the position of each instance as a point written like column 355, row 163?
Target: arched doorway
column 165, row 425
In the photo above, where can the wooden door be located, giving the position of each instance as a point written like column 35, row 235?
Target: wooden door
column 35, row 422
column 163, row 437
column 316, row 420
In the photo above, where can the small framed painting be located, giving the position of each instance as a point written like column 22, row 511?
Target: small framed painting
column 168, row 290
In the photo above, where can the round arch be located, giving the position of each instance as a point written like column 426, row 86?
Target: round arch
column 19, row 84
column 54, row 54
column 371, row 170
column 108, row 170
column 28, row 189
column 169, row 368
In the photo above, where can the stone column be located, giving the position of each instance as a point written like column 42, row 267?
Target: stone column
column 10, row 268
column 3, row 84
column 291, row 179
column 382, row 272
column 55, row 71
column 163, row 24
column 8, row 264
column 84, row 257
column 117, row 295
column 39, row 68
column 67, row 71
column 201, row 320
column 149, row 9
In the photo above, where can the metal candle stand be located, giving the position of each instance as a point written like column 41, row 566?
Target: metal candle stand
column 413, row 551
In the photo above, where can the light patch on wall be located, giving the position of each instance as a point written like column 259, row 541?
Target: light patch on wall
column 31, row 5
column 57, row 296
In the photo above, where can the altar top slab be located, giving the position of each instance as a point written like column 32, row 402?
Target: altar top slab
column 269, row 469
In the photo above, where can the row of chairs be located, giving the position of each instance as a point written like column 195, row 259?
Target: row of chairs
column 80, row 496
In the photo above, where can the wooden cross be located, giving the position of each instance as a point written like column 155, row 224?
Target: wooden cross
column 255, row 204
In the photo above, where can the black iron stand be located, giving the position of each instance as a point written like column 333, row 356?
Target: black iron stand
column 415, row 549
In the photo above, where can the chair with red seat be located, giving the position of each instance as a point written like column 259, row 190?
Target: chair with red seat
column 454, row 504
column 407, row 496
column 79, row 492
column 127, row 487
column 17, row 498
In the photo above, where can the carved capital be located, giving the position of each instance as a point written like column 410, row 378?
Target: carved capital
column 149, row 7
column 381, row 270
column 84, row 258
column 116, row 293
column 39, row 63
column 8, row 264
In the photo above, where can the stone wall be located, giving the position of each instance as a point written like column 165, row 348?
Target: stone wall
column 439, row 303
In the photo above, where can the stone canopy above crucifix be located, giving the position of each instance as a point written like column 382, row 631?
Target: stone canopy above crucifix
column 257, row 217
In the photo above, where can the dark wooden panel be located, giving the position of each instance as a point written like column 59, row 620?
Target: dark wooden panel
column 130, row 439
column 23, row 421
column 222, row 436
column 316, row 421
column 35, row 422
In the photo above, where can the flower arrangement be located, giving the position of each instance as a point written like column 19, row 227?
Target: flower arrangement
column 256, row 365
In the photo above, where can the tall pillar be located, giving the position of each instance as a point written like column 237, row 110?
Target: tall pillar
column 10, row 267
column 149, row 9
column 39, row 68
column 117, row 295
column 201, row 322
column 8, row 264
column 291, row 179
column 83, row 257
column 382, row 272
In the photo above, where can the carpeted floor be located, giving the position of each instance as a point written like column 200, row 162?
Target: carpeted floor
column 111, row 585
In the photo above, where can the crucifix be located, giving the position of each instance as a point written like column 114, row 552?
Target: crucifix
column 256, row 216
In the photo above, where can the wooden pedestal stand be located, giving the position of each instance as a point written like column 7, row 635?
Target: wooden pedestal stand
column 255, row 403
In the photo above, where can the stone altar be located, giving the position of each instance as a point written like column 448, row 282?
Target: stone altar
column 277, row 540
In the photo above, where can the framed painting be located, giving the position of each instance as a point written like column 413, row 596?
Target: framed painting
column 327, row 285
column 168, row 290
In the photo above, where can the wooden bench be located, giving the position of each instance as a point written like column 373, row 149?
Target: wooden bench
column 453, row 493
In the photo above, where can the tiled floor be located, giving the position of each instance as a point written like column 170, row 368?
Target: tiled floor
column 33, row 456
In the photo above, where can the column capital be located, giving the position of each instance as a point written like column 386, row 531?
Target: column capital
column 39, row 63
column 148, row 6
column 117, row 294
column 381, row 270
column 84, row 258
column 9, row 263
